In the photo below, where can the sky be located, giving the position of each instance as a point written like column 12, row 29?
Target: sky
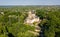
column 29, row 2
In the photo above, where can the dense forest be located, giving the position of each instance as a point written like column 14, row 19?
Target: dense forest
column 12, row 21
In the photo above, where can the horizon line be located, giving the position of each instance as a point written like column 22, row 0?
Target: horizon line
column 25, row 5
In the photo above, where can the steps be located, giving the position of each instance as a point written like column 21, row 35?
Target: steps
column 35, row 33
column 37, row 29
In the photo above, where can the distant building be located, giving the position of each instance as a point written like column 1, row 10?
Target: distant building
column 2, row 13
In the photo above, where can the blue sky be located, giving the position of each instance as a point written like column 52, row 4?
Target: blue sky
column 29, row 2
